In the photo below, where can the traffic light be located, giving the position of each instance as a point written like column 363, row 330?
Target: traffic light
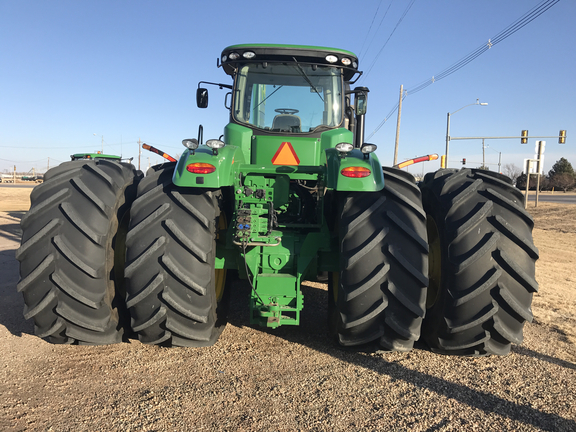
column 562, row 137
column 463, row 161
column 524, row 135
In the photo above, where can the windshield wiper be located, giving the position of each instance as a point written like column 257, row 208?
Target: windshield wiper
column 307, row 79
column 266, row 98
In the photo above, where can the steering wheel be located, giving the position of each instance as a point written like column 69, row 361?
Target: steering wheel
column 286, row 110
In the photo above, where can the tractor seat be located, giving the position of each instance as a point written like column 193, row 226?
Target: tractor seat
column 286, row 123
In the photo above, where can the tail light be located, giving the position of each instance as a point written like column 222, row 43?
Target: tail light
column 355, row 172
column 201, row 168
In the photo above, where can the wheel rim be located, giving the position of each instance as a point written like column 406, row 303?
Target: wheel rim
column 434, row 263
column 220, row 274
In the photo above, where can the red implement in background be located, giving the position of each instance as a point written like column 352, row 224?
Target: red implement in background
column 161, row 153
column 416, row 160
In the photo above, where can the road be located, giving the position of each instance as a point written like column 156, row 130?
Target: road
column 18, row 185
column 557, row 198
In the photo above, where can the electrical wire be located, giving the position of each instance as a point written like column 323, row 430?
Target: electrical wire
column 387, row 40
column 521, row 22
column 15, row 161
column 370, row 28
column 362, row 52
column 392, row 111
column 248, row 273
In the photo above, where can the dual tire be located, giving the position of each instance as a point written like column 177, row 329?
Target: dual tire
column 105, row 255
column 72, row 251
column 482, row 263
column 175, row 295
column 453, row 265
column 379, row 293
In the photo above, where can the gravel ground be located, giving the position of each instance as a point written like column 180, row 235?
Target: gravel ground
column 287, row 379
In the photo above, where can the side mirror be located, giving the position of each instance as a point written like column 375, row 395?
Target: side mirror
column 360, row 102
column 202, row 98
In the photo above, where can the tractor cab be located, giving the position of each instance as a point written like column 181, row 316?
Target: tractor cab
column 286, row 90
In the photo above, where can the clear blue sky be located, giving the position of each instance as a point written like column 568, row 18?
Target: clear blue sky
column 126, row 70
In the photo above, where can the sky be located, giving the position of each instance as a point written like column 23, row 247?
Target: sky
column 81, row 76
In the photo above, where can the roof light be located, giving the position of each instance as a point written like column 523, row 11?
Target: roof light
column 331, row 58
column 191, row 144
column 355, row 172
column 344, row 147
column 248, row 55
column 224, row 58
column 200, row 168
column 355, row 65
column 233, row 56
column 215, row 144
column 346, row 61
column 368, row 148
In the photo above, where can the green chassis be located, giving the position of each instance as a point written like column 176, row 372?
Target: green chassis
column 273, row 250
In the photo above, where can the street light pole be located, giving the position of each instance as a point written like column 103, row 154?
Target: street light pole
column 448, row 125
column 447, row 141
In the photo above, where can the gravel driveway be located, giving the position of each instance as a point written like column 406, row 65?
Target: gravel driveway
column 288, row 379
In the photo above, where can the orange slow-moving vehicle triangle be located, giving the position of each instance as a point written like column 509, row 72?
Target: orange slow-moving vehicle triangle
column 285, row 155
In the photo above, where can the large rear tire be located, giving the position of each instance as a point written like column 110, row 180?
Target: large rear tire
column 174, row 294
column 379, row 294
column 72, row 251
column 482, row 262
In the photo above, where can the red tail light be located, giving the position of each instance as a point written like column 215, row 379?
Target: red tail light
column 201, row 168
column 355, row 172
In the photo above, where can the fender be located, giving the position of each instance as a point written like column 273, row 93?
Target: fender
column 335, row 163
column 228, row 158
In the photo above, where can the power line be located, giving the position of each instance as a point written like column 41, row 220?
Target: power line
column 15, row 161
column 521, row 22
column 387, row 40
column 390, row 114
column 379, row 25
column 370, row 28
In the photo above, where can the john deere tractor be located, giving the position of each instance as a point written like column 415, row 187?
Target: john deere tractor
column 97, row 155
column 290, row 191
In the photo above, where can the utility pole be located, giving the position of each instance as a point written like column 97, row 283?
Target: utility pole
column 48, row 166
column 398, row 125
column 139, row 152
column 483, row 154
column 102, row 144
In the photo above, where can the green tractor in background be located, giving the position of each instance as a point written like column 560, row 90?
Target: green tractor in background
column 290, row 192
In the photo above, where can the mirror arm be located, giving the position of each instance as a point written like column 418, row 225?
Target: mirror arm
column 220, row 85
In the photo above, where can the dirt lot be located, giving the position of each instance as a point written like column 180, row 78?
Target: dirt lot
column 15, row 197
column 293, row 378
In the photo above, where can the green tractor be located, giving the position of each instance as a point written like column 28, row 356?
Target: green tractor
column 97, row 155
column 290, row 192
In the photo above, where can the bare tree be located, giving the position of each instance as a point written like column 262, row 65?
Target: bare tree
column 563, row 181
column 512, row 171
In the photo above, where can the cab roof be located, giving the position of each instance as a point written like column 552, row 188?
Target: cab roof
column 287, row 53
